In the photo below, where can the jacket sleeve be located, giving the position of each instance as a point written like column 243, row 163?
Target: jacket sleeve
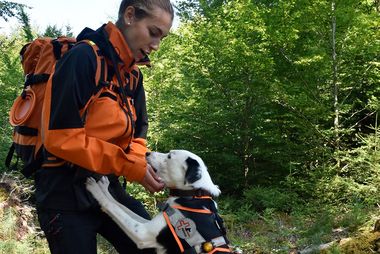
column 67, row 92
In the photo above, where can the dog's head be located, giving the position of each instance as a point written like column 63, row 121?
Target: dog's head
column 183, row 170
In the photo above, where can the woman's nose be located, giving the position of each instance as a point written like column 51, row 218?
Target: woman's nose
column 155, row 44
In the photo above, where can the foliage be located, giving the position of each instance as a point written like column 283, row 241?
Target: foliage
column 24, row 19
column 54, row 31
column 277, row 199
column 10, row 9
column 247, row 85
column 11, row 78
column 358, row 179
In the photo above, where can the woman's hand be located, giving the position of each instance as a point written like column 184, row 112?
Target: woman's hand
column 152, row 182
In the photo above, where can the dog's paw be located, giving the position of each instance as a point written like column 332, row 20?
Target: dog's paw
column 104, row 183
column 92, row 186
column 95, row 189
column 104, row 180
column 90, row 182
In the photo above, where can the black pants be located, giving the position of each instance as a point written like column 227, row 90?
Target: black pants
column 69, row 232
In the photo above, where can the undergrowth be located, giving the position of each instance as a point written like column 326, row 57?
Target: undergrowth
column 271, row 230
column 275, row 221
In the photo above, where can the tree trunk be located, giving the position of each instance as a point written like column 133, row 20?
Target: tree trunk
column 335, row 83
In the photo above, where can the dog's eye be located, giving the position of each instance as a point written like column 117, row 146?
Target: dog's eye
column 169, row 156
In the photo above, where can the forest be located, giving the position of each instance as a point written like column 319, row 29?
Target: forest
column 280, row 98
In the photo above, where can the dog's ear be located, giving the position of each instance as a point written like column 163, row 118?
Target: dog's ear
column 193, row 172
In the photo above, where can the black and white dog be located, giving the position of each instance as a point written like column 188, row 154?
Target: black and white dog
column 189, row 223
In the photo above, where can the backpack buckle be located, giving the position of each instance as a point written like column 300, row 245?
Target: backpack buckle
column 27, row 80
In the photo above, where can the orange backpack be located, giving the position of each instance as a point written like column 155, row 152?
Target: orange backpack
column 38, row 60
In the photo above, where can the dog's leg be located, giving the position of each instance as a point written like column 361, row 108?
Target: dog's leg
column 143, row 234
column 103, row 183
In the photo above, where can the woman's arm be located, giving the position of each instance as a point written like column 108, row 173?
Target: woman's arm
column 64, row 135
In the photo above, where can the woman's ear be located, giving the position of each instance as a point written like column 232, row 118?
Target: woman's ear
column 129, row 15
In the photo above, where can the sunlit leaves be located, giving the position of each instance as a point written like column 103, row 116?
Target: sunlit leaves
column 248, row 84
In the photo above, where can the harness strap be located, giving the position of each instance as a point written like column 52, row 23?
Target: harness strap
column 186, row 228
column 204, row 211
column 218, row 244
column 57, row 49
column 190, row 251
column 27, row 131
column 10, row 155
column 227, row 250
column 32, row 79
column 29, row 169
column 173, row 232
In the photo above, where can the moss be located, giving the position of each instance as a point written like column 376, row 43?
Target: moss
column 363, row 244
column 3, row 195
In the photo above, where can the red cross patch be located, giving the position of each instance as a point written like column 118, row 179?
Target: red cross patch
column 185, row 228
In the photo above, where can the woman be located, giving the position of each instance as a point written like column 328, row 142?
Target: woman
column 98, row 128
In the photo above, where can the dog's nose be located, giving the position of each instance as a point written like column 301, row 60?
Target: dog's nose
column 147, row 154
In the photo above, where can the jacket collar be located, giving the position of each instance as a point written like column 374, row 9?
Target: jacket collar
column 121, row 47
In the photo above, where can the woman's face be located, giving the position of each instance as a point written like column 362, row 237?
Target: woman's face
column 144, row 35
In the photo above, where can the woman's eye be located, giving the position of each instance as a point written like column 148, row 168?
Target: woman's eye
column 154, row 32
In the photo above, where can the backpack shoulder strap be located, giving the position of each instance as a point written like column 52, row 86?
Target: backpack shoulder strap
column 100, row 73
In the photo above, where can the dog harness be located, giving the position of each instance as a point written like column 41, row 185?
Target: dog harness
column 196, row 226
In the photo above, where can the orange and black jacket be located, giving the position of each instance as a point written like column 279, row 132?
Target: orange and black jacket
column 88, row 126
